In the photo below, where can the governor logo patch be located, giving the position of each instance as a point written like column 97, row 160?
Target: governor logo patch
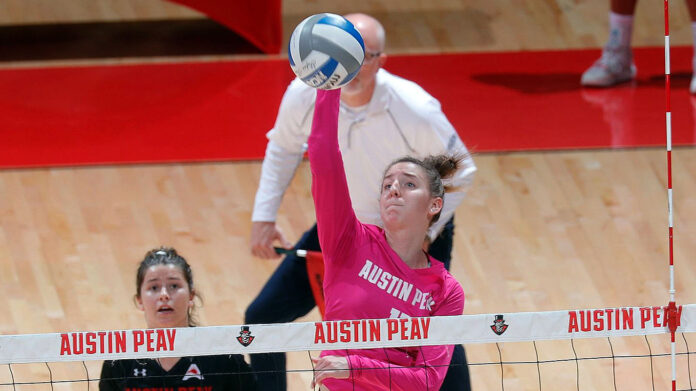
column 245, row 338
column 499, row 325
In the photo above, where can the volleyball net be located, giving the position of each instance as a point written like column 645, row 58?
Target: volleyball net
column 611, row 348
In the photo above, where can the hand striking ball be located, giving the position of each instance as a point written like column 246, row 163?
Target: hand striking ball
column 326, row 51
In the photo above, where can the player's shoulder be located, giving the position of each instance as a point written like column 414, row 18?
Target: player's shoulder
column 453, row 288
column 126, row 365
column 121, row 362
column 221, row 360
column 212, row 358
column 450, row 285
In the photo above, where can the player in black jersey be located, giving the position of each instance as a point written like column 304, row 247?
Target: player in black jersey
column 165, row 293
column 204, row 373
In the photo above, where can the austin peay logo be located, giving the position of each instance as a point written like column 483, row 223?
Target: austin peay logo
column 245, row 338
column 499, row 325
column 193, row 372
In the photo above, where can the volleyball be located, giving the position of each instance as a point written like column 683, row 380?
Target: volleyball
column 326, row 51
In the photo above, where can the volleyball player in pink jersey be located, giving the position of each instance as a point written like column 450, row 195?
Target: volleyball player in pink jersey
column 372, row 272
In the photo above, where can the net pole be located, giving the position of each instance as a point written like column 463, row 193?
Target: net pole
column 671, row 308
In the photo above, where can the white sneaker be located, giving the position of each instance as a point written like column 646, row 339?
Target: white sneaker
column 614, row 67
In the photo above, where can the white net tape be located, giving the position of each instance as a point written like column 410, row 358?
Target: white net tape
column 352, row 334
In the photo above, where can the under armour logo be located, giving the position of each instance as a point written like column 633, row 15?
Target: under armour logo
column 141, row 372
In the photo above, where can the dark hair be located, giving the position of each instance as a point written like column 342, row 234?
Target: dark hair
column 436, row 168
column 168, row 256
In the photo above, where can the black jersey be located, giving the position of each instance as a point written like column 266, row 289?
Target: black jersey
column 201, row 373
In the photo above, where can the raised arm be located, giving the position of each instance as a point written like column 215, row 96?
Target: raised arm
column 336, row 221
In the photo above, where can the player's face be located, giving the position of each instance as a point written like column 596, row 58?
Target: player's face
column 405, row 198
column 165, row 297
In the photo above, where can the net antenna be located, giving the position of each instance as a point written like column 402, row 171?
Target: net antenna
column 672, row 315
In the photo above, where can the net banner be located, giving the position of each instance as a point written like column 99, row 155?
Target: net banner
column 346, row 334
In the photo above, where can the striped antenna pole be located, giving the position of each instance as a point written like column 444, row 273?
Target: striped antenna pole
column 671, row 308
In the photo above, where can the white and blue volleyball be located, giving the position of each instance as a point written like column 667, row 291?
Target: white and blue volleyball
column 326, row 51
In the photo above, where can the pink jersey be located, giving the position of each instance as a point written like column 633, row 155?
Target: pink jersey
column 365, row 279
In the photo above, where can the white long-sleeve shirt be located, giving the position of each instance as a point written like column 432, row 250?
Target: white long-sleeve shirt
column 401, row 119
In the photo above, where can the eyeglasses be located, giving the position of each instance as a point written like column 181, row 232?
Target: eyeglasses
column 369, row 56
